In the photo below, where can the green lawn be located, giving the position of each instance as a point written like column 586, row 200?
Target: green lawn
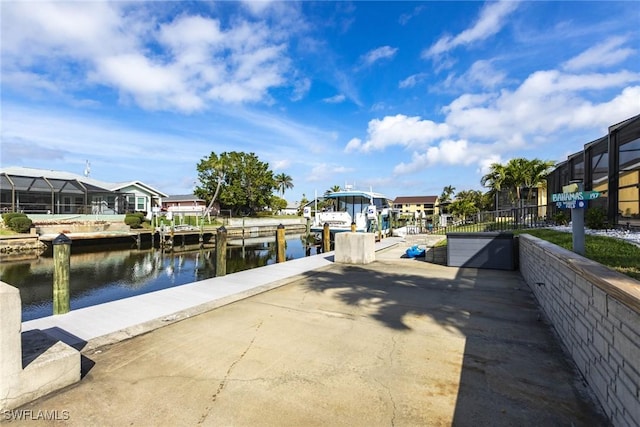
column 614, row 253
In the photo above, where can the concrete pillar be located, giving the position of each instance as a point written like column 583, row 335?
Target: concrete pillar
column 10, row 342
column 50, row 364
column 355, row 248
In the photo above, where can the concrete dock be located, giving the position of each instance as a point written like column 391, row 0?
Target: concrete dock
column 398, row 342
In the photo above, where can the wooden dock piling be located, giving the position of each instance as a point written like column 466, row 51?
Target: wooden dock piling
column 221, row 252
column 280, row 244
column 326, row 238
column 61, row 267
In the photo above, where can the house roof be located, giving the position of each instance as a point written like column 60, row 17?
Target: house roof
column 415, row 200
column 92, row 184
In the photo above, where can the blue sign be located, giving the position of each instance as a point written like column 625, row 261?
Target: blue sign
column 572, row 204
column 577, row 196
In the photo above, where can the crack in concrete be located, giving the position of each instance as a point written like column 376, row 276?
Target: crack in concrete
column 384, row 386
column 222, row 384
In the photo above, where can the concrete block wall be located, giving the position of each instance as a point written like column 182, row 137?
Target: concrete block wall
column 27, row 374
column 354, row 248
column 596, row 313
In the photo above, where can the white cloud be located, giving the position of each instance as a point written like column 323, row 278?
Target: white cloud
column 479, row 128
column 412, row 80
column 257, row 7
column 482, row 74
column 300, row 89
column 355, row 144
column 448, row 152
column 325, row 172
column 546, row 102
column 280, row 164
column 490, row 22
column 183, row 64
column 406, row 17
column 605, row 54
column 336, row 99
column 378, row 54
column 399, row 130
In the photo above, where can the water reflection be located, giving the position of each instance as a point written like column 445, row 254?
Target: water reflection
column 97, row 277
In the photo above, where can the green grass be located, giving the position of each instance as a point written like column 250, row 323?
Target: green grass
column 619, row 255
column 475, row 228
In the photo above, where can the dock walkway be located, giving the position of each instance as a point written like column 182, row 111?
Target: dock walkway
column 397, row 342
column 117, row 320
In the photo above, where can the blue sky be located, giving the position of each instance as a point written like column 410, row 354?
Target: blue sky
column 401, row 97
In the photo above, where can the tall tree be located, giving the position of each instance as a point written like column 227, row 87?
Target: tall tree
column 467, row 203
column 277, row 204
column 283, row 182
column 248, row 182
column 445, row 198
column 517, row 175
column 495, row 180
column 333, row 189
column 536, row 176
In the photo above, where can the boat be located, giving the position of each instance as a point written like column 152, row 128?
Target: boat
column 370, row 212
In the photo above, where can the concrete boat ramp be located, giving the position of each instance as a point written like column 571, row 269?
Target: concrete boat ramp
column 397, row 342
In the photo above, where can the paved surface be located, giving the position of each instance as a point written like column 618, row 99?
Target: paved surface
column 117, row 320
column 398, row 342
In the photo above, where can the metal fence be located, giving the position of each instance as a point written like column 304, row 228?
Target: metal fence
column 500, row 220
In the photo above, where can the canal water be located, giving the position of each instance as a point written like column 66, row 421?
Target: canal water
column 98, row 276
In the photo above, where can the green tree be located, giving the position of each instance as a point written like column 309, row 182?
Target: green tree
column 328, row 203
column 247, row 183
column 277, row 203
column 516, row 176
column 283, row 182
column 495, row 180
column 333, row 189
column 467, row 202
column 445, row 198
column 536, row 176
column 303, row 202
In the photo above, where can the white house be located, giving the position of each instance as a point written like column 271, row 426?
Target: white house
column 33, row 190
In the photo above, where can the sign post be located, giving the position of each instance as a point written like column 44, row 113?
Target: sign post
column 573, row 197
column 577, row 226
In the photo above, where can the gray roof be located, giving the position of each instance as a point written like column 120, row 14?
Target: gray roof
column 68, row 176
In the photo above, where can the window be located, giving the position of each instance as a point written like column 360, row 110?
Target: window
column 629, row 181
column 66, row 204
column 599, row 171
column 141, row 203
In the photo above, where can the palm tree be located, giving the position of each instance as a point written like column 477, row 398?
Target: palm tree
column 445, row 197
column 518, row 174
column 283, row 182
column 537, row 175
column 333, row 189
column 495, row 180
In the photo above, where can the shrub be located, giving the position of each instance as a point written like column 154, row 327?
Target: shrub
column 132, row 221
column 595, row 218
column 6, row 217
column 20, row 224
column 560, row 218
